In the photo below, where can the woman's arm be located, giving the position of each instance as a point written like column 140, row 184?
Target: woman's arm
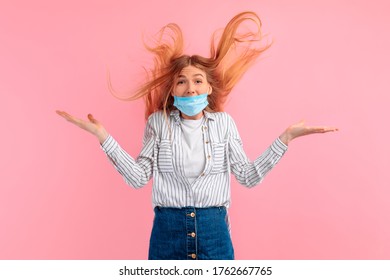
column 135, row 172
column 250, row 173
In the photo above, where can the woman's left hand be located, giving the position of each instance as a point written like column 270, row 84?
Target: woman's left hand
column 301, row 129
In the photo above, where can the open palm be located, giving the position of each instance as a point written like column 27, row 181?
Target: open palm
column 301, row 129
column 92, row 125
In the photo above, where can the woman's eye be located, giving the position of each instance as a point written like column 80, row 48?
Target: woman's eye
column 180, row 82
column 198, row 81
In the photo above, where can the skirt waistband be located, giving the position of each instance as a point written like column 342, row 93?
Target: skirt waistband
column 183, row 209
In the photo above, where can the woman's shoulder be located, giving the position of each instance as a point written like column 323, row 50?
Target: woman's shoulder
column 157, row 117
column 220, row 116
column 158, row 121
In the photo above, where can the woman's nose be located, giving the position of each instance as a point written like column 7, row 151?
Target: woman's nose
column 191, row 89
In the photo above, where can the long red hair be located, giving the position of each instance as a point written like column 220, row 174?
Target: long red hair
column 230, row 57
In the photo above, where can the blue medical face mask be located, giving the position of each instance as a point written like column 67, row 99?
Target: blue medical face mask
column 191, row 105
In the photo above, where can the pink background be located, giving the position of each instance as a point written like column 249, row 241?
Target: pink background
column 328, row 198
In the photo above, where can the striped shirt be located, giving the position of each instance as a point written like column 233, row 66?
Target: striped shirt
column 162, row 157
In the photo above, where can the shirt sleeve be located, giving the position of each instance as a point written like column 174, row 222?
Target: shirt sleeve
column 135, row 172
column 249, row 173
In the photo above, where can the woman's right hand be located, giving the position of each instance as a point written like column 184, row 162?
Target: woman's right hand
column 93, row 126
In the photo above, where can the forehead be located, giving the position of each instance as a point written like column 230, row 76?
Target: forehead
column 190, row 71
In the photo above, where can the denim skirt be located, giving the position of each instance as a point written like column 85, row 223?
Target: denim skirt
column 190, row 234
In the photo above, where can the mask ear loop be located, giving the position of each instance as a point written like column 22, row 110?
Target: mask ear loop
column 207, row 92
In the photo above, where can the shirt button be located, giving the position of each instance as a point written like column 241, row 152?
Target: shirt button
column 208, row 157
column 193, row 234
column 202, row 174
column 193, row 256
column 192, row 214
column 207, row 142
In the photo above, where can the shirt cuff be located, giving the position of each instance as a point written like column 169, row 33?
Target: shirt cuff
column 109, row 145
column 279, row 147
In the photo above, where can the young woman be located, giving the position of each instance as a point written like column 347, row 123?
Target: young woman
column 190, row 145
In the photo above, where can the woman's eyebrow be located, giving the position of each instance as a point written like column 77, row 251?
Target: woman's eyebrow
column 195, row 75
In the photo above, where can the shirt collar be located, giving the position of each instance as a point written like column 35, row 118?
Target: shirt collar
column 176, row 115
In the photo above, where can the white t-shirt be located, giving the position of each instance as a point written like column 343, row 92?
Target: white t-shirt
column 193, row 149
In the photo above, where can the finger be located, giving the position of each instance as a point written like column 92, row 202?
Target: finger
column 321, row 129
column 329, row 129
column 64, row 114
column 61, row 113
column 71, row 118
column 92, row 119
